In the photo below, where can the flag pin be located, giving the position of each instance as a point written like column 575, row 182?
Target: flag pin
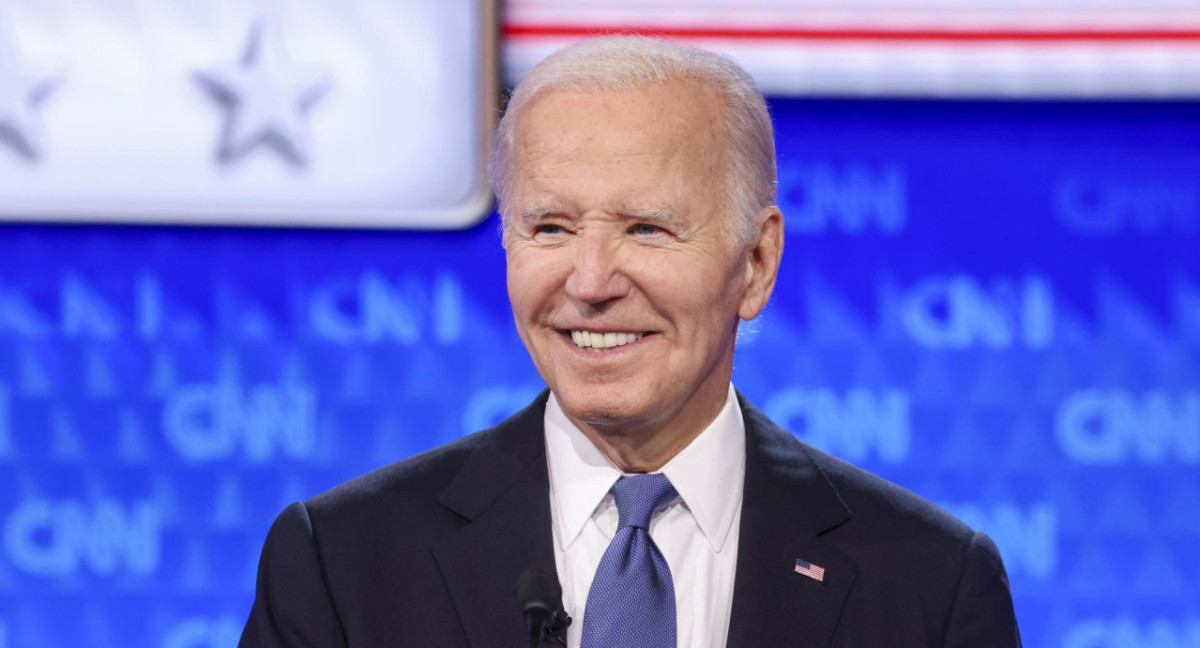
column 814, row 572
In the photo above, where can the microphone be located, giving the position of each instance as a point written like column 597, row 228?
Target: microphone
column 540, row 597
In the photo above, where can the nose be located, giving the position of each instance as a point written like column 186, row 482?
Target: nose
column 597, row 276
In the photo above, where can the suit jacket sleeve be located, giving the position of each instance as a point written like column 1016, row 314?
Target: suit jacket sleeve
column 292, row 607
column 983, row 615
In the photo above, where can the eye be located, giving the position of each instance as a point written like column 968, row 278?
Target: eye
column 646, row 229
column 548, row 233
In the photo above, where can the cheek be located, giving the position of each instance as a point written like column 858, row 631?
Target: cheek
column 531, row 280
column 706, row 300
column 519, row 279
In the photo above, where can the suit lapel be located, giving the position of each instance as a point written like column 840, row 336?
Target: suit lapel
column 786, row 505
column 503, row 491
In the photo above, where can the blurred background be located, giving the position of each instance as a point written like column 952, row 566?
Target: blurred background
column 248, row 253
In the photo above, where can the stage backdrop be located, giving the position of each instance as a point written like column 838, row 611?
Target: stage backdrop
column 994, row 304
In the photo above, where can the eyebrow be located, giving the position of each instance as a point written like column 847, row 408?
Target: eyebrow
column 537, row 213
column 656, row 215
column 653, row 215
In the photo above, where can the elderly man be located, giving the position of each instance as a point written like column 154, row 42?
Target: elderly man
column 636, row 181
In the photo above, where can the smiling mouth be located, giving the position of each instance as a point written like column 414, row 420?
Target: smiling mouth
column 596, row 341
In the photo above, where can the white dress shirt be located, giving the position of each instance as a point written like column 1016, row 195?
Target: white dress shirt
column 697, row 533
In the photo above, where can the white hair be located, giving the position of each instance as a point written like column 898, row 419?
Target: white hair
column 626, row 62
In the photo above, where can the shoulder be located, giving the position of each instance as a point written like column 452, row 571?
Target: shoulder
column 916, row 565
column 414, row 486
column 869, row 504
column 919, row 565
column 865, row 503
column 883, row 508
column 887, row 530
column 421, row 474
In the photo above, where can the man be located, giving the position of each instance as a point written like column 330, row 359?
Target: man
column 636, row 182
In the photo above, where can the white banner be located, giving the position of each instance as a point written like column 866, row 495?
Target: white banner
column 294, row 112
column 984, row 48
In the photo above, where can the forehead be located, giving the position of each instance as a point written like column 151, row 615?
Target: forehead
column 658, row 109
column 622, row 136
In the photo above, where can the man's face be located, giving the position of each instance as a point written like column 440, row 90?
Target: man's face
column 625, row 281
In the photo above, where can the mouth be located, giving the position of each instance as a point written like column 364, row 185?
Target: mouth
column 598, row 341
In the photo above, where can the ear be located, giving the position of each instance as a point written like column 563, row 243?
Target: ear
column 762, row 263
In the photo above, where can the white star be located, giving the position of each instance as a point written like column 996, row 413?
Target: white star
column 266, row 97
column 21, row 90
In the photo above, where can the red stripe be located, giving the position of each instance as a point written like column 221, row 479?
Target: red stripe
column 811, row 573
column 552, row 30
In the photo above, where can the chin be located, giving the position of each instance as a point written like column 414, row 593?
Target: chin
column 601, row 410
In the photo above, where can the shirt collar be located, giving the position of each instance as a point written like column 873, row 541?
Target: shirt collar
column 708, row 474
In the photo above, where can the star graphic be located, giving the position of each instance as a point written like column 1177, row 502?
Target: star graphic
column 21, row 90
column 266, row 97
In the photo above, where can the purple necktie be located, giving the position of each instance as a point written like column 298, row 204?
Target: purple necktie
column 632, row 600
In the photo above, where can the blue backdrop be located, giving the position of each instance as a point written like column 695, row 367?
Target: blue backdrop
column 994, row 304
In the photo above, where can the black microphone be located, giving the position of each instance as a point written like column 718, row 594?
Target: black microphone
column 540, row 596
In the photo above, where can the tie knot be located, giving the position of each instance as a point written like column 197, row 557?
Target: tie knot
column 639, row 497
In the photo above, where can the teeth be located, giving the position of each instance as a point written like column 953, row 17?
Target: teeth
column 597, row 341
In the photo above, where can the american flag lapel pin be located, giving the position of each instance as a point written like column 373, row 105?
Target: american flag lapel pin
column 815, row 572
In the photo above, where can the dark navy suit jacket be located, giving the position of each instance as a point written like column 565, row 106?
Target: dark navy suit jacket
column 427, row 552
